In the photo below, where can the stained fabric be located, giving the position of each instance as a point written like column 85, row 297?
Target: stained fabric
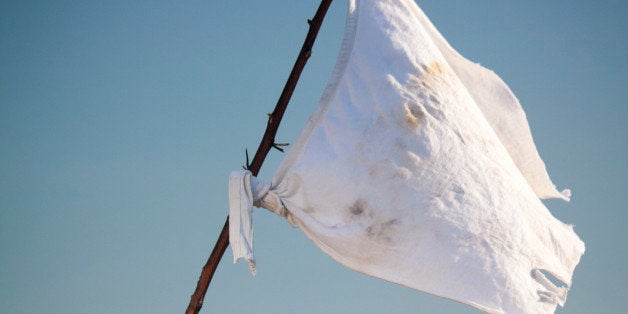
column 418, row 167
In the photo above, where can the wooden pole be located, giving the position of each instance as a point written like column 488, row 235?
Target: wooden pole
column 268, row 141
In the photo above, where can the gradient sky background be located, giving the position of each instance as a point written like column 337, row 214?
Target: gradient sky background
column 121, row 120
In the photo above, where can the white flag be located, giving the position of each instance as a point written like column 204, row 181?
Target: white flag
column 418, row 167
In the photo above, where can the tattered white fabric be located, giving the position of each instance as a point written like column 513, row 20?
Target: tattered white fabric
column 241, row 200
column 245, row 191
column 418, row 167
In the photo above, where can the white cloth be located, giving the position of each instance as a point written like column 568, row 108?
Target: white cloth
column 418, row 167
column 241, row 201
column 245, row 191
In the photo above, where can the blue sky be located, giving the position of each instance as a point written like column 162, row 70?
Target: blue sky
column 120, row 122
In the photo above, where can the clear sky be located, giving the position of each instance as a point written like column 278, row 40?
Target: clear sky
column 121, row 120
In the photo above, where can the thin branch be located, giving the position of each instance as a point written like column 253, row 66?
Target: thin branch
column 268, row 141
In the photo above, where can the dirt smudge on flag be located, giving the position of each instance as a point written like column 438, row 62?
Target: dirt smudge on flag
column 413, row 115
column 382, row 231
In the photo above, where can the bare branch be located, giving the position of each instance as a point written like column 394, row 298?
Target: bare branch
column 268, row 142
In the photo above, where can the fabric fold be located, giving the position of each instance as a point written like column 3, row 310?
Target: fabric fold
column 241, row 217
column 246, row 191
